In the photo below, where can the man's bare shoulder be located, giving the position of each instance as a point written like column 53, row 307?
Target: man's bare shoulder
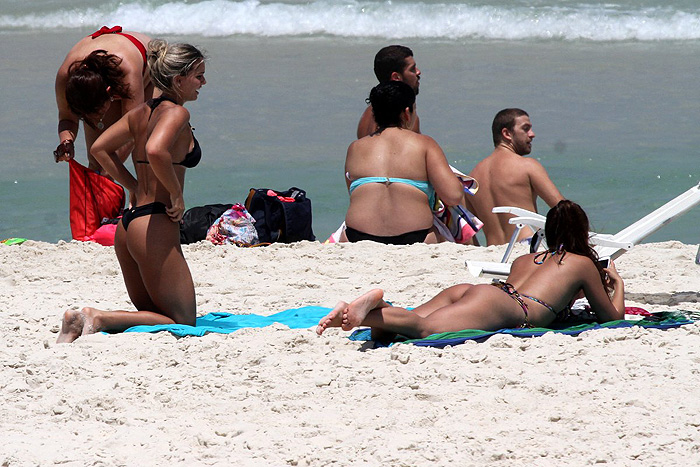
column 486, row 163
column 366, row 125
column 536, row 172
column 513, row 163
column 531, row 163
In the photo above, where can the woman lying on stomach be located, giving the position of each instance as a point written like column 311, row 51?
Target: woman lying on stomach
column 393, row 174
column 539, row 290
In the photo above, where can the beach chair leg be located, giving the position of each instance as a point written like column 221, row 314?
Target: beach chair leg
column 513, row 239
column 537, row 240
column 697, row 256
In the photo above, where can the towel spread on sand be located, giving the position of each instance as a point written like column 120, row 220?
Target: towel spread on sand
column 225, row 323
column 309, row 316
column 665, row 320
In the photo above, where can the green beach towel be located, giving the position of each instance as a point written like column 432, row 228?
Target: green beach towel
column 664, row 320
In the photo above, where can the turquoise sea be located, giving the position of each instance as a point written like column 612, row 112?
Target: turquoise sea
column 611, row 87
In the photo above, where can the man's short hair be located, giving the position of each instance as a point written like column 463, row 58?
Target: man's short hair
column 505, row 119
column 390, row 59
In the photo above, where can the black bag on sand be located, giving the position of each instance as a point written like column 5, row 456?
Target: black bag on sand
column 280, row 216
column 197, row 220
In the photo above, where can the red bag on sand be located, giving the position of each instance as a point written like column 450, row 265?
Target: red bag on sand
column 104, row 235
column 92, row 198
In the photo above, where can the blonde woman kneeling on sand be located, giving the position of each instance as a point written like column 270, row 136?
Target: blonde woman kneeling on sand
column 539, row 290
column 147, row 240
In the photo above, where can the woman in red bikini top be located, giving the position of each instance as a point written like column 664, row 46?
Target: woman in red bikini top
column 103, row 76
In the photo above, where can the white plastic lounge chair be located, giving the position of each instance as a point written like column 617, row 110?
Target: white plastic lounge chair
column 607, row 246
column 652, row 222
column 502, row 270
column 536, row 223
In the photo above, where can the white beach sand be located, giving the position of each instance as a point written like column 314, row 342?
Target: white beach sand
column 275, row 396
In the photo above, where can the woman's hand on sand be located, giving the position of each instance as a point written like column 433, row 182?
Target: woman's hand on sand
column 177, row 208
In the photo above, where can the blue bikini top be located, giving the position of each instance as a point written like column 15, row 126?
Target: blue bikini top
column 422, row 185
column 194, row 156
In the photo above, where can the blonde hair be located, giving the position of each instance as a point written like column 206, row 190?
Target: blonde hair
column 166, row 61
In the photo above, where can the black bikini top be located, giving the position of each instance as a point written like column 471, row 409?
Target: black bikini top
column 194, row 156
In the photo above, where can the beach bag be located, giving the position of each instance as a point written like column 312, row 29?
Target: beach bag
column 93, row 198
column 280, row 216
column 234, row 227
column 197, row 220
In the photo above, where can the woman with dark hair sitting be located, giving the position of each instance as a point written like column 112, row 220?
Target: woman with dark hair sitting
column 394, row 174
column 103, row 76
column 539, row 290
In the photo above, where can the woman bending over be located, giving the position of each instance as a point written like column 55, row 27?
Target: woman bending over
column 539, row 289
column 103, row 76
column 147, row 240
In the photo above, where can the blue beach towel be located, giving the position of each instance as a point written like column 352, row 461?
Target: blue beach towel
column 225, row 323
column 309, row 316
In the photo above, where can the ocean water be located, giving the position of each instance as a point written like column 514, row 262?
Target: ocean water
column 611, row 88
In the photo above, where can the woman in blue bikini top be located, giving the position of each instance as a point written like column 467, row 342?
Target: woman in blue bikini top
column 147, row 242
column 394, row 174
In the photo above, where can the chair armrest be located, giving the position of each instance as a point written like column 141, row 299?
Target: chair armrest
column 607, row 240
column 528, row 220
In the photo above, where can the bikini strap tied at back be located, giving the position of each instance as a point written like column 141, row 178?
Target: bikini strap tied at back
column 541, row 257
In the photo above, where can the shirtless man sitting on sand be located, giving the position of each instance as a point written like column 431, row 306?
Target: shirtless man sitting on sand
column 392, row 63
column 507, row 178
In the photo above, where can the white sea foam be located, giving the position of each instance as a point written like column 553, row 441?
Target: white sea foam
column 390, row 20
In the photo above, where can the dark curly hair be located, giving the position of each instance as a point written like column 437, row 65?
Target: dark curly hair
column 88, row 79
column 388, row 100
column 567, row 229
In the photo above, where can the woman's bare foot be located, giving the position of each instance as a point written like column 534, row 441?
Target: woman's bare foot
column 356, row 312
column 77, row 323
column 333, row 319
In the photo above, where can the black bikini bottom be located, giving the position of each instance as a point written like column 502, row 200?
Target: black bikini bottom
column 407, row 238
column 140, row 211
